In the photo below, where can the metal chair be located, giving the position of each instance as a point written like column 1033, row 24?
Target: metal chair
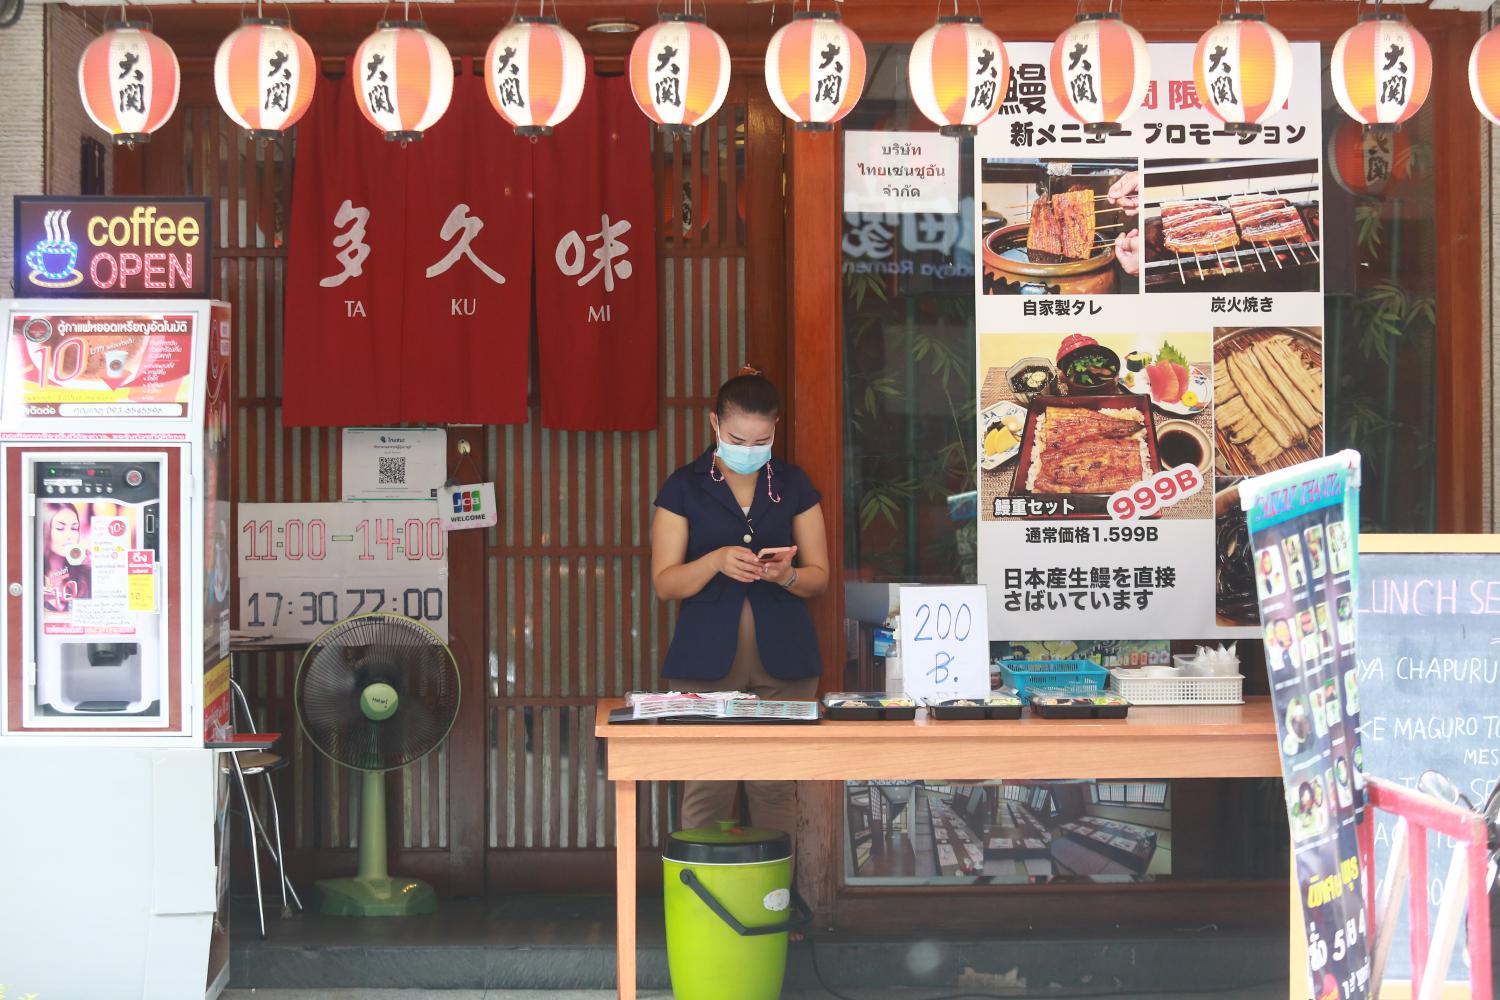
column 253, row 763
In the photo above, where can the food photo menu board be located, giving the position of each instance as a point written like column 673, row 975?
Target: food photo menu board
column 1149, row 309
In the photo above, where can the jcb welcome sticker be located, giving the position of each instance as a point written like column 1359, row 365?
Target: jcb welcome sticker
column 467, row 506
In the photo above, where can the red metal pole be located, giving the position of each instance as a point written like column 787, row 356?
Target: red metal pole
column 1416, row 853
column 1479, row 913
column 1367, row 863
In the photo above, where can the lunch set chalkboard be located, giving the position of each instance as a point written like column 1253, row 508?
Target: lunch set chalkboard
column 1429, row 680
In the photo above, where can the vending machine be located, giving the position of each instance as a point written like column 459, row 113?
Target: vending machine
column 116, row 548
column 114, row 537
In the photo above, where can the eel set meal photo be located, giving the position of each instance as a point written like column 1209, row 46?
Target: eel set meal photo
column 1080, row 450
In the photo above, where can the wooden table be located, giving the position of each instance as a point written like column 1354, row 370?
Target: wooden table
column 1211, row 741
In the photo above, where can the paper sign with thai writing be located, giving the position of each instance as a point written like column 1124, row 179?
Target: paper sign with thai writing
column 900, row 172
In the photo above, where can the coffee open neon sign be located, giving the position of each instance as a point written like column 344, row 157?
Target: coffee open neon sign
column 112, row 246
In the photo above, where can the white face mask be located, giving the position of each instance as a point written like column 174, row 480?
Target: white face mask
column 743, row 458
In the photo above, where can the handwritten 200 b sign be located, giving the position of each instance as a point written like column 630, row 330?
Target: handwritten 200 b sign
column 945, row 642
column 1151, row 496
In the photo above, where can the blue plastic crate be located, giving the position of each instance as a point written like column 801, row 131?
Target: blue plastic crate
column 1027, row 676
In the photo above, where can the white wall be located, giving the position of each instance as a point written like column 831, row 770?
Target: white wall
column 44, row 119
column 24, row 85
column 67, row 123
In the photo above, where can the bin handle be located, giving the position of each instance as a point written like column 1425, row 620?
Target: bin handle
column 802, row 917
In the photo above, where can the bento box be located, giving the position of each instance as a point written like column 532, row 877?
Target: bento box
column 851, row 706
column 998, row 706
column 1067, row 705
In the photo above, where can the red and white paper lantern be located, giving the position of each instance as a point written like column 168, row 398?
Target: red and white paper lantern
column 534, row 72
column 1381, row 71
column 1100, row 70
column 1484, row 74
column 264, row 75
column 815, row 69
column 679, row 72
column 1243, row 71
column 129, row 81
column 404, row 79
column 958, row 74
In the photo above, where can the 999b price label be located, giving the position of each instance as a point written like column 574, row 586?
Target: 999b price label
column 1150, row 496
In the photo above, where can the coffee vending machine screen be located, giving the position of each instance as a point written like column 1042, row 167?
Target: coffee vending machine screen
column 98, row 567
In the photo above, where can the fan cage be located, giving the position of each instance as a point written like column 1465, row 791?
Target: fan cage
column 365, row 649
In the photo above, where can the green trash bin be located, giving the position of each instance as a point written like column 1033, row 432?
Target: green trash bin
column 729, row 906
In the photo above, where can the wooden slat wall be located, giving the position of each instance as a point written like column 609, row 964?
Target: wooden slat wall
column 572, row 615
column 200, row 153
column 567, row 612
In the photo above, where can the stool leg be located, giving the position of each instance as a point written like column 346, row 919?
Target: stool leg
column 260, row 903
column 275, row 849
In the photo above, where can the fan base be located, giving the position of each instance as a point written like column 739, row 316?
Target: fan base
column 375, row 897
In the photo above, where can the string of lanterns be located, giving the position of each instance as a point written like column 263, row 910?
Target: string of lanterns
column 679, row 70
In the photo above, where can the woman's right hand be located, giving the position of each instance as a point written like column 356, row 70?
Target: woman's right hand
column 737, row 562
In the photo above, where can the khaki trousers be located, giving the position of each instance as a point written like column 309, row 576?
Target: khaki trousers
column 773, row 804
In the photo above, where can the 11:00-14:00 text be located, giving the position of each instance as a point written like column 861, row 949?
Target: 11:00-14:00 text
column 417, row 539
column 321, row 607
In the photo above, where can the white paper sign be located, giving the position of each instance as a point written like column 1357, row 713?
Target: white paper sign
column 900, row 172
column 471, row 505
column 945, row 642
column 304, row 566
column 383, row 463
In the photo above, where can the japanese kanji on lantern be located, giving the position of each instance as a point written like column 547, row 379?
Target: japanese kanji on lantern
column 129, row 81
column 1484, row 74
column 534, row 73
column 1243, row 70
column 1099, row 71
column 815, row 69
column 958, row 73
column 1381, row 70
column 405, row 79
column 264, row 75
column 679, row 72
column 1364, row 161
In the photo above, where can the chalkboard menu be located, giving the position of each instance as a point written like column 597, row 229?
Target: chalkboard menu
column 1429, row 681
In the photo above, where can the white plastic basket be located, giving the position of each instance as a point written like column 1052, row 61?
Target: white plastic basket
column 1138, row 690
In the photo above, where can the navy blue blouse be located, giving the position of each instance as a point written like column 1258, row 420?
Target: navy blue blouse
column 703, row 646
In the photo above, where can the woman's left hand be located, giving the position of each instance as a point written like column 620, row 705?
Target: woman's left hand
column 776, row 570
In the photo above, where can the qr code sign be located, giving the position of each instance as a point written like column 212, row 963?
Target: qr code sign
column 392, row 471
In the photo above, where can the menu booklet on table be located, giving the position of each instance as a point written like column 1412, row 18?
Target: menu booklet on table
column 724, row 706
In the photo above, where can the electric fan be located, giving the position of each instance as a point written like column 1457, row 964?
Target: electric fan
column 375, row 693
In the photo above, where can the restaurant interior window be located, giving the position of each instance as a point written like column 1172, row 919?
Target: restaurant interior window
column 1137, row 795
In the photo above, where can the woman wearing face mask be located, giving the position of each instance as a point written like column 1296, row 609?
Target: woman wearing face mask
column 742, row 624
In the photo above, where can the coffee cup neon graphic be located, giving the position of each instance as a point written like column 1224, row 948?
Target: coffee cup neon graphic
column 54, row 261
